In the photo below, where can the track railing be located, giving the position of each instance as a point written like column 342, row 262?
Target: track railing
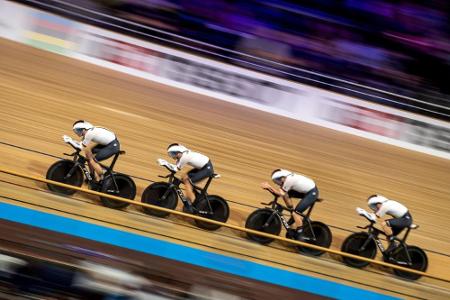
column 234, row 227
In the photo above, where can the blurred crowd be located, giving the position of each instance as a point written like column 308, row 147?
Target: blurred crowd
column 399, row 46
column 25, row 277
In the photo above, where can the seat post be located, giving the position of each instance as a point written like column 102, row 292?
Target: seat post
column 114, row 161
column 308, row 213
column 406, row 234
column 205, row 188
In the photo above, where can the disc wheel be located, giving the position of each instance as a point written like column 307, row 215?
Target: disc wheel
column 322, row 236
column 219, row 211
column 59, row 172
column 121, row 186
column 353, row 245
column 419, row 261
column 154, row 193
column 257, row 221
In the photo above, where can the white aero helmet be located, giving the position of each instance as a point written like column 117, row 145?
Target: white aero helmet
column 373, row 200
column 278, row 173
column 175, row 148
column 79, row 125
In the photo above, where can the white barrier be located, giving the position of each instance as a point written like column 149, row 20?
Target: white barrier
column 224, row 82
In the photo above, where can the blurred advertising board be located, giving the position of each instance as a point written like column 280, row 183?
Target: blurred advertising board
column 13, row 21
column 388, row 125
column 107, row 46
column 223, row 81
column 50, row 32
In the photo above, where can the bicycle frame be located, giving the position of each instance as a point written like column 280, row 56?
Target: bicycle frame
column 278, row 212
column 80, row 162
column 174, row 184
column 373, row 235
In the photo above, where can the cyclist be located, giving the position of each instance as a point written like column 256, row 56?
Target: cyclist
column 294, row 186
column 202, row 166
column 392, row 227
column 98, row 144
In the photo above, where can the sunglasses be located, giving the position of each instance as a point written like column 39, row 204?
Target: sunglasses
column 78, row 131
column 173, row 154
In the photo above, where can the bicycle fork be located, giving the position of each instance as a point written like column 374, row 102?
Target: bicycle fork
column 270, row 219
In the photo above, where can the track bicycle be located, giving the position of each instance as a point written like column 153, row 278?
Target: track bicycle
column 366, row 243
column 271, row 218
column 74, row 171
column 166, row 194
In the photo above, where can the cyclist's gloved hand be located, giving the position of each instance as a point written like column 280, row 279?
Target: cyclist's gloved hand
column 76, row 144
column 162, row 162
column 173, row 167
column 67, row 139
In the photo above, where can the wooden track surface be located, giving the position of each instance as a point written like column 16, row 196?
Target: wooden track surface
column 41, row 94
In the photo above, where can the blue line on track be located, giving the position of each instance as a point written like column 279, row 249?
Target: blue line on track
column 185, row 254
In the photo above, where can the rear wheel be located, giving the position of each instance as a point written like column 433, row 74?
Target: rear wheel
column 59, row 171
column 353, row 245
column 219, row 211
column 121, row 186
column 257, row 221
column 322, row 236
column 153, row 195
column 419, row 261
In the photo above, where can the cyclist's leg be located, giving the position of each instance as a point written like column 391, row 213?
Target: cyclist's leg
column 296, row 218
column 90, row 157
column 103, row 153
column 308, row 199
column 194, row 176
column 393, row 227
column 189, row 190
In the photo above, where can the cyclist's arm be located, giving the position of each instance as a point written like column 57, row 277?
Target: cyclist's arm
column 181, row 162
column 287, row 199
column 88, row 149
column 267, row 186
column 381, row 212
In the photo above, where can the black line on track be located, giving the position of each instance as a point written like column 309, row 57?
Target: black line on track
column 149, row 180
column 211, row 247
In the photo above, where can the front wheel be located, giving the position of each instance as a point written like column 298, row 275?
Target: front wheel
column 215, row 208
column 353, row 244
column 159, row 194
column 264, row 220
column 64, row 171
column 119, row 185
column 317, row 234
column 417, row 257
